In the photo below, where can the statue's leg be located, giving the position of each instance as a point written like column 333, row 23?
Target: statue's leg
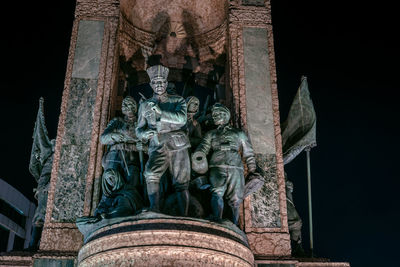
column 295, row 224
column 180, row 170
column 155, row 167
column 153, row 193
column 235, row 191
column 217, row 207
column 218, row 187
column 35, row 238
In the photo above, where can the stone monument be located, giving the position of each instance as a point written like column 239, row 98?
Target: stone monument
column 216, row 50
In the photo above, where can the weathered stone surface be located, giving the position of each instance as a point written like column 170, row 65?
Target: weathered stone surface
column 275, row 265
column 253, row 2
column 265, row 203
column 75, row 148
column 62, row 238
column 53, row 263
column 88, row 49
column 166, row 242
column 272, row 244
column 258, row 90
column 92, row 229
column 260, row 125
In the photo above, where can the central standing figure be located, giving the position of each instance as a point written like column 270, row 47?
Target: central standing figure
column 161, row 121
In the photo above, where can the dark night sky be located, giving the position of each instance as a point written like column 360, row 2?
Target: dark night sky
column 349, row 54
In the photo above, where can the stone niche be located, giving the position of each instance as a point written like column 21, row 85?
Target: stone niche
column 211, row 48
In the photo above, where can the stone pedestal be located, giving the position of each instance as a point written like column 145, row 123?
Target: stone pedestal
column 159, row 240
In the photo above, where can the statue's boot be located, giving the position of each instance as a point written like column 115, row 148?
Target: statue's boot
column 35, row 238
column 217, row 207
column 183, row 202
column 297, row 249
column 235, row 214
column 153, row 191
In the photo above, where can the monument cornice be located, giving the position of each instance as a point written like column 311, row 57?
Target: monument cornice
column 100, row 8
column 250, row 16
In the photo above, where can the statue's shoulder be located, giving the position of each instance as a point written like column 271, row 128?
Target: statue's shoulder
column 146, row 102
column 236, row 131
column 116, row 120
column 176, row 98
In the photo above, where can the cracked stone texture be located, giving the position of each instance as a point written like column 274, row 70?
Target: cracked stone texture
column 276, row 244
column 265, row 203
column 75, row 145
column 75, row 149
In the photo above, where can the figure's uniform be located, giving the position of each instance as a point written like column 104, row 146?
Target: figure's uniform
column 226, row 167
column 169, row 147
column 121, row 155
column 121, row 172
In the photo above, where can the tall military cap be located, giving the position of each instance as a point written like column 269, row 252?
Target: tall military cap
column 219, row 106
column 157, row 71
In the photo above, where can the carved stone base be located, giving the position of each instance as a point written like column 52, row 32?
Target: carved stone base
column 166, row 242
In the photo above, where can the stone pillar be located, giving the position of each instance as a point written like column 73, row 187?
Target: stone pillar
column 90, row 77
column 255, row 104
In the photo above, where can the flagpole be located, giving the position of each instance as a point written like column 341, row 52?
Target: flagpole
column 309, row 201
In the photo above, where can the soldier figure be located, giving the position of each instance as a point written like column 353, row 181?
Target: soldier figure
column 161, row 121
column 121, row 173
column 193, row 127
column 226, row 168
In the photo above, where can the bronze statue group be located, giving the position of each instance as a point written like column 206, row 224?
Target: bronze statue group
column 158, row 159
column 185, row 170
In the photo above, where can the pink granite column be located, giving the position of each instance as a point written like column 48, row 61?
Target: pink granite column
column 255, row 97
column 90, row 78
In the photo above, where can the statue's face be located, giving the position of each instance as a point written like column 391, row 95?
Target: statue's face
column 220, row 117
column 159, row 85
column 193, row 106
column 129, row 106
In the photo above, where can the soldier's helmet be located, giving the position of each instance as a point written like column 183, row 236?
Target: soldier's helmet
column 220, row 107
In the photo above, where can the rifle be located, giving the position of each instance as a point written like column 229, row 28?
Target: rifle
column 202, row 117
column 142, row 99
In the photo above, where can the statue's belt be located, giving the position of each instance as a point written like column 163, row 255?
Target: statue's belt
column 226, row 149
column 225, row 166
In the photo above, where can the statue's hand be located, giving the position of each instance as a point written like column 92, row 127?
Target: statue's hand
column 252, row 169
column 117, row 137
column 139, row 146
column 154, row 107
column 149, row 134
